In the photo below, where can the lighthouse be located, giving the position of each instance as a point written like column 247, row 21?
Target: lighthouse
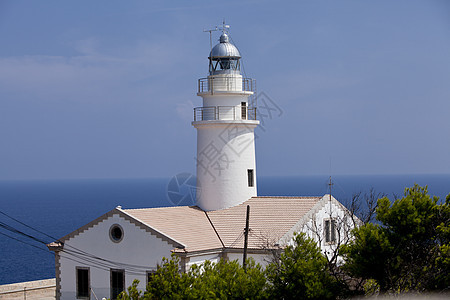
column 225, row 123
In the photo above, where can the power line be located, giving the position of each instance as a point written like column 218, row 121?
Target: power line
column 104, row 266
column 45, row 250
column 14, row 230
column 92, row 263
column 77, row 252
column 6, row 215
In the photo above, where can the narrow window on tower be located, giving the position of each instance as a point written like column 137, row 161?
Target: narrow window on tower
column 244, row 110
column 82, row 283
column 251, row 179
column 330, row 231
column 117, row 282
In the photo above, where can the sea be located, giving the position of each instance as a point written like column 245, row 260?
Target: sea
column 36, row 212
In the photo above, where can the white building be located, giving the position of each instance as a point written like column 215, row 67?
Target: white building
column 106, row 255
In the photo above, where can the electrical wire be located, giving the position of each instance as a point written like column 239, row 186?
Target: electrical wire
column 102, row 266
column 14, row 230
column 83, row 260
column 233, row 243
column 12, row 218
column 45, row 250
column 93, row 259
column 91, row 262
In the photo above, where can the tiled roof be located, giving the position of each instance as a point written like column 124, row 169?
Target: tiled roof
column 186, row 224
column 270, row 219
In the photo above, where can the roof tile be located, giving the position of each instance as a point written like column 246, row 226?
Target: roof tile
column 270, row 219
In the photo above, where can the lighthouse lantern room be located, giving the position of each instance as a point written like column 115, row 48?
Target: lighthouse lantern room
column 226, row 166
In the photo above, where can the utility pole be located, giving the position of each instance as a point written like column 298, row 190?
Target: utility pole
column 244, row 264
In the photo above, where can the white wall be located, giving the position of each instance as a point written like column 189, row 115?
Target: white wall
column 262, row 259
column 225, row 82
column 198, row 260
column 315, row 227
column 225, row 151
column 231, row 99
column 137, row 247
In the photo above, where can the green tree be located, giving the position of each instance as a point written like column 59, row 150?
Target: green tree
column 168, row 282
column 133, row 292
column 301, row 272
column 408, row 250
column 228, row 280
column 222, row 280
column 366, row 255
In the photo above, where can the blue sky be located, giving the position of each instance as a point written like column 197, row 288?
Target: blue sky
column 105, row 89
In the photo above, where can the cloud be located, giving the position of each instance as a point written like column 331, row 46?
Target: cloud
column 95, row 71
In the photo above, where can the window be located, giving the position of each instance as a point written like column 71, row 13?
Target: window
column 116, row 233
column 243, row 110
column 83, row 288
column 117, row 282
column 149, row 276
column 251, row 176
column 330, row 231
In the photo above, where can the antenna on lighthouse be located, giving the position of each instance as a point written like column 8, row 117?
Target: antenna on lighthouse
column 210, row 38
column 224, row 27
column 210, row 35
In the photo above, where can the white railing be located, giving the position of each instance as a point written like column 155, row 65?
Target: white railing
column 224, row 113
column 213, row 84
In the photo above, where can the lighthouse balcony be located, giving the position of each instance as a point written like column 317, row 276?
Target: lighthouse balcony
column 213, row 113
column 226, row 83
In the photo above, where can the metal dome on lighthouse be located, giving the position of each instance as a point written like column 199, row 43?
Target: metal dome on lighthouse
column 224, row 57
column 225, row 123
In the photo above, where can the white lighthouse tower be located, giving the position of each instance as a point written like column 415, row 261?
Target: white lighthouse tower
column 226, row 166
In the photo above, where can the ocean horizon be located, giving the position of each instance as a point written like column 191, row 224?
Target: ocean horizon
column 58, row 207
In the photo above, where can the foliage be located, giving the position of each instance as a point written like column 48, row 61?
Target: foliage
column 168, row 282
column 222, row 280
column 301, row 272
column 408, row 250
column 133, row 292
column 228, row 280
column 371, row 287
